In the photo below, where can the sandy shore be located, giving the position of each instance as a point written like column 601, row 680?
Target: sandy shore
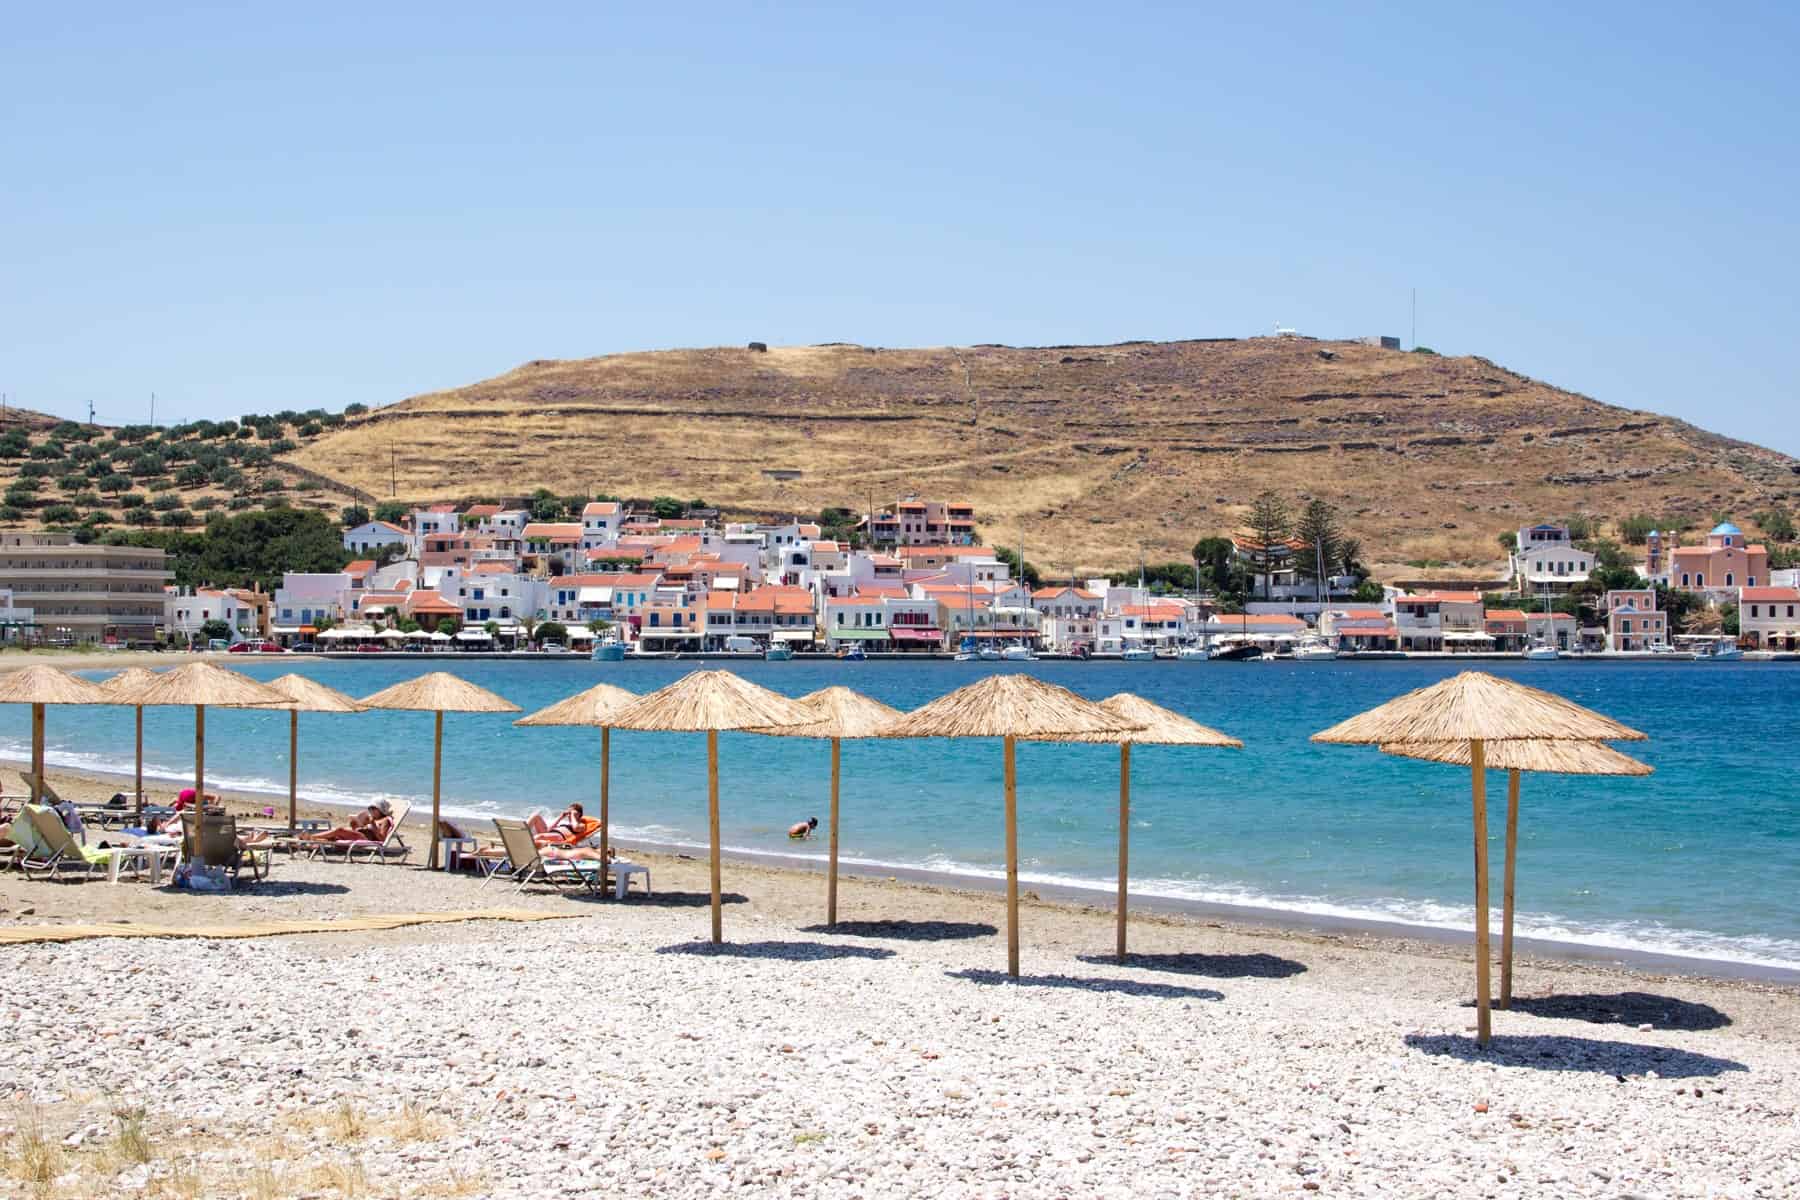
column 618, row 1053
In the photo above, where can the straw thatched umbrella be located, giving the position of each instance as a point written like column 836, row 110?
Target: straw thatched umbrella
column 305, row 695
column 1554, row 758
column 708, row 702
column 1009, row 707
column 200, row 685
column 37, row 686
column 593, row 707
column 1478, row 709
column 1160, row 727
column 842, row 713
column 128, row 680
column 439, row 692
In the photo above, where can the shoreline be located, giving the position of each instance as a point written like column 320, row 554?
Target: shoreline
column 1267, row 920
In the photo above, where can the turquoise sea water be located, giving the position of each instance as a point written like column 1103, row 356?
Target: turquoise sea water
column 1702, row 858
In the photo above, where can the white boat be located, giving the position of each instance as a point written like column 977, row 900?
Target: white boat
column 1194, row 652
column 610, row 650
column 1539, row 652
column 1314, row 649
column 1723, row 648
column 778, row 652
column 1137, row 652
column 1018, row 652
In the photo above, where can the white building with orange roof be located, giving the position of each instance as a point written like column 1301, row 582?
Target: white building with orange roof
column 185, row 613
column 600, row 522
column 372, row 537
column 1359, row 629
column 305, row 598
column 549, row 542
column 1769, row 617
column 1442, row 621
column 854, row 620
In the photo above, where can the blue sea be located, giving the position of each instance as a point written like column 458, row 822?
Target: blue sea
column 1702, row 858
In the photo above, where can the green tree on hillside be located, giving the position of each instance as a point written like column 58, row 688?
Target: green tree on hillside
column 1776, row 525
column 1318, row 528
column 1270, row 523
column 391, row 511
column 354, row 515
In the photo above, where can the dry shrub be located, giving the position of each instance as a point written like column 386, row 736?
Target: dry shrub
column 417, row 1123
column 33, row 1158
column 347, row 1179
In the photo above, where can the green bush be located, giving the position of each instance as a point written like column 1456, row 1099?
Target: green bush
column 10, row 513
column 133, row 500
column 60, row 514
column 355, row 410
column 237, row 503
column 166, row 503
column 177, row 518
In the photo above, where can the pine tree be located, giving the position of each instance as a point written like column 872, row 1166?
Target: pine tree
column 1318, row 528
column 1271, row 523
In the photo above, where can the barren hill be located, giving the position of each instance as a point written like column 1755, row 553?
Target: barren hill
column 1090, row 453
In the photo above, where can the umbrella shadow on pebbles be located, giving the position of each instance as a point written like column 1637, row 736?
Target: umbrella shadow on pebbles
column 1214, row 966
column 683, row 899
column 780, row 951
column 1124, row 987
column 909, row 931
column 1624, row 1008
column 1542, row 1052
column 276, row 888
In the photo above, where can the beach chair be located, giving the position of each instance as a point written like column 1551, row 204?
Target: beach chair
column 526, row 864
column 53, row 848
column 392, row 848
column 258, row 858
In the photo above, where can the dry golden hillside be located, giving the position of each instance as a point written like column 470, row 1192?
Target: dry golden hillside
column 1092, row 454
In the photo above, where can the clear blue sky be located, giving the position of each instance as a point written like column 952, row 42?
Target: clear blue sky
column 325, row 203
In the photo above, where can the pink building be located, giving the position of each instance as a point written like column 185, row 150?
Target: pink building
column 1725, row 563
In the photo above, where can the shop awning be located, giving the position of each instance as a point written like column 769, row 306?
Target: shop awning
column 859, row 635
column 1454, row 636
column 915, row 634
column 793, row 635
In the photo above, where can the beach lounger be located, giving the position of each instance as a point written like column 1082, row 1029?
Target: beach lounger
column 392, row 848
column 526, row 864
column 53, row 848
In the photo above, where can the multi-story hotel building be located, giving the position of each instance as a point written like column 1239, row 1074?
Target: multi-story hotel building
column 83, row 593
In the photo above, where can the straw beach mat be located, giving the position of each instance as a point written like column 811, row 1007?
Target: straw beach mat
column 257, row 929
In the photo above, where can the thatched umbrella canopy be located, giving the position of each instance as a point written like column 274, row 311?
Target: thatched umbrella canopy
column 1010, row 707
column 200, row 685
column 1554, row 758
column 1478, row 709
column 842, row 714
column 439, row 692
column 707, row 702
column 126, row 681
column 1160, row 727
column 38, row 686
column 593, row 707
column 305, row 695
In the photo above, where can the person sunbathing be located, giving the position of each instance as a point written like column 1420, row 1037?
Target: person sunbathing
column 373, row 824
column 571, row 828
column 576, row 853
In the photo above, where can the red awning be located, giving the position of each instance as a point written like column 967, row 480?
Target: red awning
column 902, row 633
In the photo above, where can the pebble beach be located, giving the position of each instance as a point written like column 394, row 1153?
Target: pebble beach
column 618, row 1052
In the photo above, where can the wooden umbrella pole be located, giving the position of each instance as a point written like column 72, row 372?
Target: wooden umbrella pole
column 293, row 770
column 1478, row 781
column 1506, row 920
column 140, row 765
column 37, row 754
column 831, row 874
column 1124, row 836
column 605, row 759
column 199, row 760
column 437, row 786
column 712, row 819
column 1012, row 864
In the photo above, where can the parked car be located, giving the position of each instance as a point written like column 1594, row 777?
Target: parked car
column 218, row 644
column 554, row 648
column 270, row 648
column 304, row 648
column 234, row 648
column 370, row 648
